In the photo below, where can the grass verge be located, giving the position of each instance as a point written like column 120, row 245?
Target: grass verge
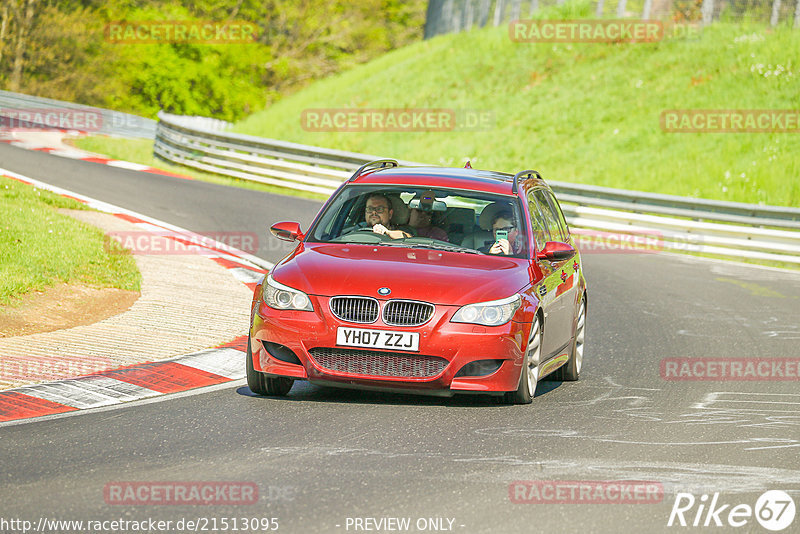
column 39, row 246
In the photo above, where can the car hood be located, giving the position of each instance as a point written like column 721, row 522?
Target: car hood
column 434, row 276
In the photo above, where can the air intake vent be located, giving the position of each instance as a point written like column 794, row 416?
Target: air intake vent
column 378, row 363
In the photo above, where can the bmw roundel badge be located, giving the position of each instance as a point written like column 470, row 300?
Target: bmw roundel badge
column 384, row 291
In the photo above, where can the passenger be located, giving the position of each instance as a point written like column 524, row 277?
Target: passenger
column 420, row 220
column 378, row 214
column 503, row 220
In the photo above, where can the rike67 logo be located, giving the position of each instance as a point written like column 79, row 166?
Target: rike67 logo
column 774, row 510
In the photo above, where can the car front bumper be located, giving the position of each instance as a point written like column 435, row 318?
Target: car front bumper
column 499, row 351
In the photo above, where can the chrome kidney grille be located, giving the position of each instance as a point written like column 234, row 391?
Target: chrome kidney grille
column 355, row 309
column 365, row 310
column 407, row 312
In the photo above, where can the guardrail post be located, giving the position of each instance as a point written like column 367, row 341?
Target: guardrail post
column 648, row 6
column 447, row 16
column 707, row 11
column 499, row 12
column 483, row 12
column 432, row 17
column 469, row 14
column 797, row 15
column 776, row 11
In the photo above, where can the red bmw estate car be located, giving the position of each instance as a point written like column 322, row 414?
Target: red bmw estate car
column 424, row 280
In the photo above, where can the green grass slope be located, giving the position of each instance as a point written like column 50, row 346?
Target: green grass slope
column 579, row 112
column 39, row 246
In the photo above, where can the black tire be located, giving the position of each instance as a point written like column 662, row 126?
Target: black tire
column 529, row 376
column 570, row 371
column 261, row 384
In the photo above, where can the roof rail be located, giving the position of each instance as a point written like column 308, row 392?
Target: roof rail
column 377, row 163
column 524, row 173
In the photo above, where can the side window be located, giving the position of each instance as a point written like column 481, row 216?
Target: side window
column 562, row 222
column 538, row 225
column 549, row 216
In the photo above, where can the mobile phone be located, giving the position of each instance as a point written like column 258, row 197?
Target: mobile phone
column 501, row 234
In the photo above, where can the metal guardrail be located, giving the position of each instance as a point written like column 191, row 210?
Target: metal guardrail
column 729, row 229
column 279, row 163
column 27, row 108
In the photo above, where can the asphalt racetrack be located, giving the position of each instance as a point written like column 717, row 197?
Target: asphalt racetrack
column 343, row 461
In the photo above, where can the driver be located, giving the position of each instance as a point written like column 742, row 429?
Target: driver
column 378, row 214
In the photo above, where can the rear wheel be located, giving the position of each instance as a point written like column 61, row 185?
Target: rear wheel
column 261, row 384
column 530, row 368
column 571, row 370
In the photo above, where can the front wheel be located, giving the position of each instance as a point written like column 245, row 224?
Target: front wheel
column 530, row 369
column 261, row 384
column 571, row 370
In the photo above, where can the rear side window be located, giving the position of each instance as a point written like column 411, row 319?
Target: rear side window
column 556, row 232
column 562, row 221
column 538, row 224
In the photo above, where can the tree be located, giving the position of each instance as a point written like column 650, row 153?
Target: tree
column 14, row 30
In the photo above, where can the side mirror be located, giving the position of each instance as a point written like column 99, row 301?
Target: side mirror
column 288, row 231
column 555, row 251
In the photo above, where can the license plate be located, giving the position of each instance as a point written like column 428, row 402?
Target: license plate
column 377, row 339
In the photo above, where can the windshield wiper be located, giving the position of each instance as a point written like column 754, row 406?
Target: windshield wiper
column 448, row 248
column 367, row 244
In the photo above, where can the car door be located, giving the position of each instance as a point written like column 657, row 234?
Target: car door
column 544, row 289
column 571, row 270
column 558, row 310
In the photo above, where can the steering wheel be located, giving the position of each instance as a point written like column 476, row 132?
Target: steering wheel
column 368, row 229
column 364, row 236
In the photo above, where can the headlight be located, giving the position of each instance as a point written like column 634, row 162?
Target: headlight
column 493, row 313
column 281, row 297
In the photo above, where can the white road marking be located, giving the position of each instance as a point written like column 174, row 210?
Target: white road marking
column 128, row 165
column 139, row 402
column 111, row 387
column 69, row 393
column 228, row 362
column 246, row 275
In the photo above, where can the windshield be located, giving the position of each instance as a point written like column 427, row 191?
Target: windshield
column 418, row 217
